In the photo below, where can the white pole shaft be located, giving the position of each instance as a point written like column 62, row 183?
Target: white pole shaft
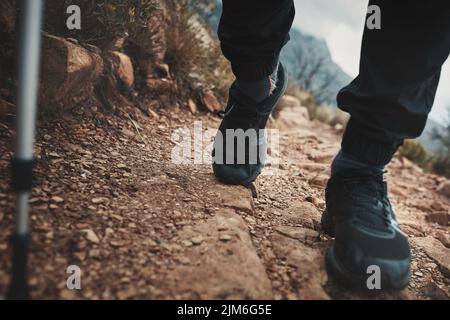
column 30, row 52
column 27, row 98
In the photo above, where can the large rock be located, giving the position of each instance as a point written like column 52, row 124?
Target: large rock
column 304, row 235
column 68, row 70
column 303, row 213
column 444, row 188
column 436, row 251
column 238, row 198
column 444, row 238
column 123, row 67
column 291, row 113
column 440, row 217
column 309, row 274
column 218, row 262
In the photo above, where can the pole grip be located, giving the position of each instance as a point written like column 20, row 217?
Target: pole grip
column 18, row 289
column 21, row 175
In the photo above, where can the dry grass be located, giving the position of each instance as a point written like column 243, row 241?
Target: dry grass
column 322, row 113
column 102, row 20
column 195, row 57
column 415, row 152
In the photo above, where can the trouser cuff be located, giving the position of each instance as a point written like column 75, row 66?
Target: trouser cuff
column 254, row 71
column 358, row 145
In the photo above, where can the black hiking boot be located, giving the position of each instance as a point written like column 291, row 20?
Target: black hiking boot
column 360, row 217
column 239, row 159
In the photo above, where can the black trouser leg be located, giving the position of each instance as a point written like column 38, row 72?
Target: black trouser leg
column 399, row 73
column 252, row 33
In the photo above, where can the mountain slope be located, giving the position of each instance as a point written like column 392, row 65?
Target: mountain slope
column 303, row 55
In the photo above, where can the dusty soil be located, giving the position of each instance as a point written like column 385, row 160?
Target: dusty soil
column 109, row 199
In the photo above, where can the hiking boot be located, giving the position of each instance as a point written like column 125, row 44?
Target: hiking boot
column 240, row 147
column 360, row 217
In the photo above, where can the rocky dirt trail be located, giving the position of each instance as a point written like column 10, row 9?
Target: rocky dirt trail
column 109, row 199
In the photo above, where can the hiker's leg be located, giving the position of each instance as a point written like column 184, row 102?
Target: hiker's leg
column 252, row 33
column 388, row 102
column 399, row 73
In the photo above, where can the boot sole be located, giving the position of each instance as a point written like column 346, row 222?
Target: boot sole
column 349, row 278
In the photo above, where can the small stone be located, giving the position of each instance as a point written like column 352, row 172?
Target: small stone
column 109, row 231
column 54, row 155
column 225, row 237
column 418, row 273
column 126, row 294
column 121, row 166
column 91, row 236
column 197, row 240
column 438, row 206
column 94, row 253
column 57, row 199
column 184, row 260
column 67, row 295
column 99, row 200
column 80, row 255
column 431, row 265
column 187, row 243
column 210, row 102
column 192, row 106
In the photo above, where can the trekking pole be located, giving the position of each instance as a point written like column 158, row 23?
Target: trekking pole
column 22, row 162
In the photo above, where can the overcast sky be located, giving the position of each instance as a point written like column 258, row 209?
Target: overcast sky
column 340, row 23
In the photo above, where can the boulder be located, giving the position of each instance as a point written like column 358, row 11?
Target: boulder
column 309, row 275
column 304, row 235
column 67, row 70
column 444, row 238
column 123, row 67
column 436, row 251
column 291, row 113
column 302, row 213
column 224, row 265
column 439, row 217
column 238, row 198
column 444, row 188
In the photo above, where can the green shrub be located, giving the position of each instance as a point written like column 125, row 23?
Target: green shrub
column 415, row 152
